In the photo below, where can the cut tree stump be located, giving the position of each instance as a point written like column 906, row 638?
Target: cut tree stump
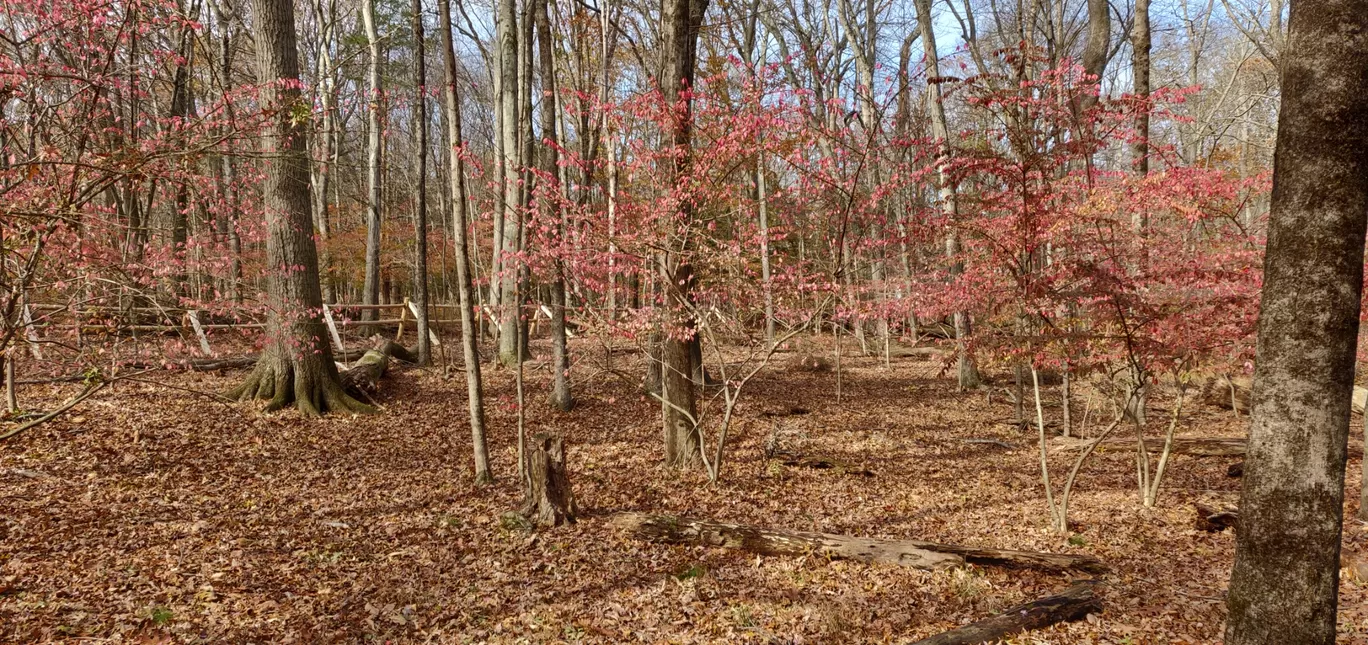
column 913, row 553
column 549, row 500
column 1073, row 603
column 1212, row 519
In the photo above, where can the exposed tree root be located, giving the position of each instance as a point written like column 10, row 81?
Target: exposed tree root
column 313, row 388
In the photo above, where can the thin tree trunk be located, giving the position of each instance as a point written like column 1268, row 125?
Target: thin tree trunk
column 949, row 201
column 470, row 351
column 370, row 292
column 680, row 21
column 561, row 397
column 509, row 130
column 420, row 218
column 1285, row 583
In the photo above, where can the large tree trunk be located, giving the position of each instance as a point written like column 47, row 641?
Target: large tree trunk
column 297, row 366
column 370, row 291
column 420, row 219
column 1071, row 604
column 470, row 350
column 1285, row 582
column 949, row 202
column 561, row 397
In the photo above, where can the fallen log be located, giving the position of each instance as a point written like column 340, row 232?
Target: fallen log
column 915, row 553
column 1234, row 393
column 819, row 462
column 1073, row 603
column 1194, row 446
column 1199, row 447
column 364, row 376
column 680, row 530
column 1212, row 519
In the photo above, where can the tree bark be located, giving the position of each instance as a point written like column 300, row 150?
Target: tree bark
column 470, row 350
column 1071, row 604
column 561, row 396
column 1285, row 581
column 967, row 370
column 297, row 365
column 679, row 22
column 549, row 499
column 509, row 127
column 420, row 219
column 370, row 291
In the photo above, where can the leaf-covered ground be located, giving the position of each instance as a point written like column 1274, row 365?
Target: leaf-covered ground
column 151, row 513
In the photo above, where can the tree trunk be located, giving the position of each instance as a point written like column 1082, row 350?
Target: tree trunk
column 509, row 128
column 1285, row 582
column 297, row 366
column 679, row 24
column 1097, row 47
column 561, row 397
column 549, row 499
column 420, row 218
column 1071, row 604
column 370, row 292
column 967, row 369
column 470, row 350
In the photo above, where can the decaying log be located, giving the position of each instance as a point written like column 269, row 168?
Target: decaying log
column 1194, row 446
column 755, row 539
column 914, row 553
column 1233, row 393
column 1073, row 603
column 1214, row 519
column 821, row 462
column 364, row 376
column 548, row 500
column 1229, row 392
column 1199, row 447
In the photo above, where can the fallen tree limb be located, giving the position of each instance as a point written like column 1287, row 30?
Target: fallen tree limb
column 1200, row 447
column 820, row 462
column 1194, row 446
column 1071, row 604
column 85, row 394
column 765, row 541
column 679, row 530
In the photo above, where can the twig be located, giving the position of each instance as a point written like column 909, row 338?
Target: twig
column 85, row 394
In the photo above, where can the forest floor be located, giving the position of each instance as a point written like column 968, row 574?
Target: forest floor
column 153, row 514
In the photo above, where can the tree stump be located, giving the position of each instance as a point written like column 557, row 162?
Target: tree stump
column 549, row 499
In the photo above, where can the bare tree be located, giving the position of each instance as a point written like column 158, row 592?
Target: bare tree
column 420, row 219
column 949, row 200
column 370, row 292
column 470, row 351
